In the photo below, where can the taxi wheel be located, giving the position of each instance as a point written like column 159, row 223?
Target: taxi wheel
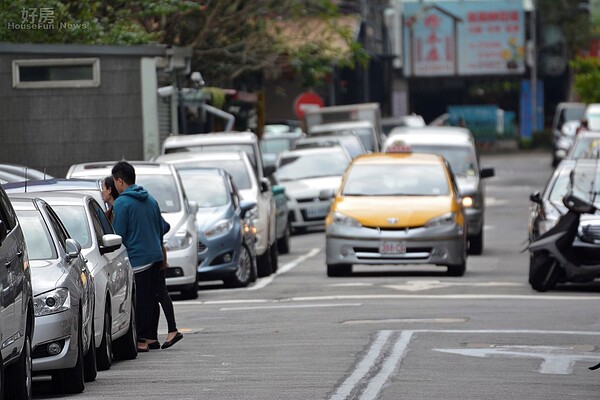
column 339, row 269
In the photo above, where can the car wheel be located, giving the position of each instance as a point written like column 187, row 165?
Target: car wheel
column 476, row 243
column 339, row 269
column 544, row 271
column 283, row 243
column 104, row 354
column 90, row 370
column 125, row 348
column 264, row 263
column 190, row 293
column 274, row 258
column 457, row 269
column 241, row 277
column 71, row 380
column 18, row 377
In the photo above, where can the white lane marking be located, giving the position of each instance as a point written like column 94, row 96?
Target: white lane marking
column 389, row 366
column 407, row 321
column 492, row 202
column 354, row 284
column 363, row 366
column 420, row 285
column 397, row 297
column 261, row 283
column 556, row 360
column 291, row 306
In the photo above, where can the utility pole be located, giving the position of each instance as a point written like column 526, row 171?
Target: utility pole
column 534, row 105
column 365, row 70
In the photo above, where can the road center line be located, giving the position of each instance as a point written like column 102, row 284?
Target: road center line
column 363, row 366
column 291, row 306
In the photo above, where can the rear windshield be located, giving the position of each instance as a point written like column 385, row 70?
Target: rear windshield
column 206, row 190
column 462, row 159
column 37, row 237
column 396, row 180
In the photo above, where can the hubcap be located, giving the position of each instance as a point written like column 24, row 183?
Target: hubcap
column 243, row 271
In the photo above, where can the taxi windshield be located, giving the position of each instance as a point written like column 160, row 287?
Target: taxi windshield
column 396, row 180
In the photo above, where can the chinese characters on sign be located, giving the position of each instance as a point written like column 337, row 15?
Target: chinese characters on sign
column 464, row 38
column 42, row 18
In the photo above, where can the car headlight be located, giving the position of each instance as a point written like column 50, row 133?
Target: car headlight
column 342, row 219
column 180, row 240
column 51, row 302
column 468, row 201
column 220, row 228
column 446, row 219
column 551, row 216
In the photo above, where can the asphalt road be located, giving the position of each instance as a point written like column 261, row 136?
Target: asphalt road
column 383, row 333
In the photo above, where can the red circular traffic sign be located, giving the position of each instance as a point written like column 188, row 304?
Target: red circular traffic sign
column 307, row 101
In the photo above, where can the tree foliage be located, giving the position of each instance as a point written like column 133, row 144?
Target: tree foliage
column 573, row 21
column 587, row 78
column 229, row 37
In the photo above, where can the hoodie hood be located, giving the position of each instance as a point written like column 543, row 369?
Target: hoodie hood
column 137, row 192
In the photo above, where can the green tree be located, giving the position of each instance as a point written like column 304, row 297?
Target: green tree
column 587, row 78
column 573, row 21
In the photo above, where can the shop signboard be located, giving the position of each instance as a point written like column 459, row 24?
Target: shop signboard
column 459, row 38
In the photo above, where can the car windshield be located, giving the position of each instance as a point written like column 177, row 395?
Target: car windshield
column 316, row 165
column 206, row 190
column 164, row 189
column 593, row 121
column 236, row 168
column 37, row 236
column 246, row 148
column 396, row 180
column 352, row 144
column 462, row 159
column 570, row 114
column 76, row 222
column 364, row 134
column 274, row 145
column 586, row 147
column 586, row 180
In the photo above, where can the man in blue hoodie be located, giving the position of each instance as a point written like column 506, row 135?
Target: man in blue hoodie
column 137, row 219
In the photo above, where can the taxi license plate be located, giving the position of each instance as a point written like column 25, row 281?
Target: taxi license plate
column 317, row 212
column 392, row 247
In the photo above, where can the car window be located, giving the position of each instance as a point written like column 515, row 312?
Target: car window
column 236, row 168
column 76, row 222
column 164, row 189
column 570, row 114
column 396, row 180
column 37, row 237
column 586, row 147
column 59, row 228
column 462, row 158
column 302, row 166
column 585, row 180
column 6, row 212
column 206, row 190
column 99, row 221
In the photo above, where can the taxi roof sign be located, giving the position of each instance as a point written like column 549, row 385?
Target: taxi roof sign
column 398, row 146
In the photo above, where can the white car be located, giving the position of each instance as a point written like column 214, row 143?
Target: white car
column 107, row 260
column 164, row 184
column 304, row 174
column 237, row 164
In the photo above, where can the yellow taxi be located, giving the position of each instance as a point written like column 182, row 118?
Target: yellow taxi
column 396, row 208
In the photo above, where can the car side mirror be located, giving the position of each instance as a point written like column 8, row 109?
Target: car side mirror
column 486, row 172
column 536, row 197
column 247, row 205
column 73, row 248
column 193, row 207
column 326, row 194
column 110, row 243
column 265, row 186
column 277, row 190
column 268, row 170
column 3, row 231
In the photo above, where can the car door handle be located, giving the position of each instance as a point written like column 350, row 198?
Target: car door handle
column 20, row 253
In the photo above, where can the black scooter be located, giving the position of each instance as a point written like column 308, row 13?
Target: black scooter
column 563, row 254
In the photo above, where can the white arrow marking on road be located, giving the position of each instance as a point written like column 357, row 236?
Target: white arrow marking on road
column 420, row 285
column 555, row 360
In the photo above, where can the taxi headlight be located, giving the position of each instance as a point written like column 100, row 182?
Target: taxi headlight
column 220, row 228
column 180, row 240
column 51, row 302
column 344, row 220
column 446, row 219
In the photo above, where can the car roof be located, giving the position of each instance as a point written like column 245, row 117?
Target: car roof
column 53, row 184
column 24, row 171
column 431, row 130
column 201, row 155
column 203, row 170
column 450, row 138
column 398, row 158
column 64, row 198
column 22, row 203
column 340, row 125
column 313, row 150
column 102, row 169
column 175, row 141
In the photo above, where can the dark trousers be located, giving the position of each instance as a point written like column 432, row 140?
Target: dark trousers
column 162, row 297
column 146, row 283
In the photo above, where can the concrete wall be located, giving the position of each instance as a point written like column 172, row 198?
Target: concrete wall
column 53, row 128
